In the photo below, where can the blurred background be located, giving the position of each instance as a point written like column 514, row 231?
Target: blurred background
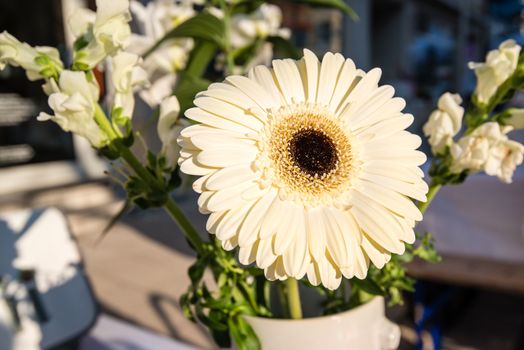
column 474, row 299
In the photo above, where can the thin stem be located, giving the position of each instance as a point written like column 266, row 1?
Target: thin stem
column 293, row 297
column 190, row 232
column 154, row 183
column 433, row 190
column 227, row 34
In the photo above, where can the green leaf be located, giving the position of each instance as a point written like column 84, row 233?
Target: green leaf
column 196, row 271
column 284, row 47
column 126, row 207
column 200, row 57
column 243, row 335
column 203, row 26
column 368, row 285
column 336, row 4
column 186, row 90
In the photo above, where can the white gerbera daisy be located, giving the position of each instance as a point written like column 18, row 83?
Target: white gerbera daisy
column 306, row 167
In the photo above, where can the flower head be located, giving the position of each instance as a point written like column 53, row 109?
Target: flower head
column 73, row 100
column 499, row 66
column 307, row 167
column 101, row 34
column 444, row 122
column 488, row 148
column 154, row 21
column 39, row 62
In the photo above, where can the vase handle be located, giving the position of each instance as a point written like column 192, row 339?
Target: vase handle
column 389, row 335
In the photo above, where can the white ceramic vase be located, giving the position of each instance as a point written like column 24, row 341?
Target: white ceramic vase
column 362, row 328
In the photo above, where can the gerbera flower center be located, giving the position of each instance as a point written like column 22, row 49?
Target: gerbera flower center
column 307, row 152
column 313, row 152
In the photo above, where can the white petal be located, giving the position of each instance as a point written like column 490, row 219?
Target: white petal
column 254, row 90
column 230, row 112
column 221, row 157
column 214, row 120
column 265, row 77
column 251, row 226
column 247, row 255
column 230, row 176
column 312, row 66
column 346, row 82
column 316, row 230
column 289, row 80
column 227, row 198
column 329, row 71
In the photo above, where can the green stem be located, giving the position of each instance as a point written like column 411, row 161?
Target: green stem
column 293, row 297
column 433, row 190
column 185, row 225
column 227, row 35
column 154, row 184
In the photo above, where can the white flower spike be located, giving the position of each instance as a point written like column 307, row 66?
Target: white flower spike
column 307, row 167
column 104, row 33
column 488, row 148
column 445, row 122
column 73, row 100
column 499, row 66
column 169, row 128
column 39, row 62
column 127, row 76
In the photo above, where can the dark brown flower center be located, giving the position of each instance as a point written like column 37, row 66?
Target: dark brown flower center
column 313, row 152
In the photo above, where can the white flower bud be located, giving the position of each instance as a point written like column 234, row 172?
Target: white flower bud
column 104, row 33
column 39, row 62
column 488, row 148
column 73, row 101
column 127, row 75
column 169, row 128
column 444, row 122
column 499, row 66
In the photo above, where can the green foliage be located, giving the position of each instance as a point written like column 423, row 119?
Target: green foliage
column 390, row 281
column 284, row 47
column 335, row 4
column 440, row 170
column 203, row 26
column 238, row 293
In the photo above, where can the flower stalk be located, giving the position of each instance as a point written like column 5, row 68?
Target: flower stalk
column 293, row 297
column 170, row 206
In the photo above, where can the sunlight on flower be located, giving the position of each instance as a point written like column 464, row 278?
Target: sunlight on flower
column 73, row 100
column 305, row 172
column 444, row 122
column 499, row 66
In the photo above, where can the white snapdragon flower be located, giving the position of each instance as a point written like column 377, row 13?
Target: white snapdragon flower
column 127, row 76
column 516, row 118
column 264, row 22
column 444, row 122
column 103, row 33
column 73, row 101
column 154, row 21
column 499, row 66
column 39, row 62
column 169, row 128
column 488, row 148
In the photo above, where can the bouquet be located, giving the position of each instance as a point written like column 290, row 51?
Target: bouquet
column 303, row 165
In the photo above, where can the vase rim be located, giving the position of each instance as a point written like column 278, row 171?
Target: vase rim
column 372, row 302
